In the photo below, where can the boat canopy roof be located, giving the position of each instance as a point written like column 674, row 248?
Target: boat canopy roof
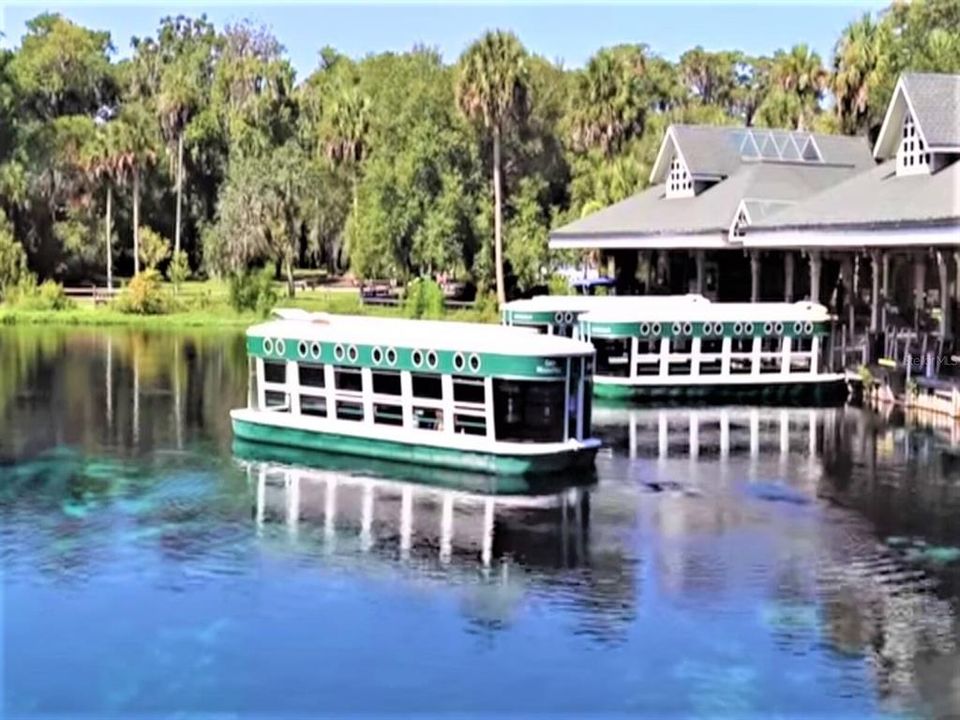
column 440, row 335
column 588, row 303
column 712, row 312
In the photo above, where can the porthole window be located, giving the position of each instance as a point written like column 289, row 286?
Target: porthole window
column 268, row 346
column 352, row 353
column 376, row 354
column 302, row 348
column 432, row 359
column 391, row 356
column 315, row 350
column 558, row 318
column 748, row 328
column 655, row 328
column 568, row 317
column 797, row 328
column 458, row 362
column 778, row 328
column 281, row 347
column 688, row 328
column 808, row 327
column 475, row 362
column 416, row 357
column 675, row 328
column 338, row 352
column 644, row 328
column 738, row 328
column 768, row 328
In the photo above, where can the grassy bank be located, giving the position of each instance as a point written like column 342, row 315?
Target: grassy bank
column 204, row 305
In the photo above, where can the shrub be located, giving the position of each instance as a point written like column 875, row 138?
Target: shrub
column 253, row 290
column 559, row 285
column 49, row 295
column 154, row 248
column 424, row 299
column 485, row 308
column 13, row 259
column 145, row 295
column 179, row 269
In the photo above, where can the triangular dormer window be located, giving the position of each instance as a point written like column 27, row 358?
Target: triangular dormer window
column 679, row 182
column 913, row 157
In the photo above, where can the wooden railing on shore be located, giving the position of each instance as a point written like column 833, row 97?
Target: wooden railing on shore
column 99, row 295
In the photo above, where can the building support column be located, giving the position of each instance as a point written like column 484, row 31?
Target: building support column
column 788, row 273
column 884, row 287
column 875, row 271
column 816, row 265
column 946, row 320
column 700, row 259
column 919, row 287
column 849, row 292
column 754, row 276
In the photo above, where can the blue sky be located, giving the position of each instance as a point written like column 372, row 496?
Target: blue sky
column 560, row 31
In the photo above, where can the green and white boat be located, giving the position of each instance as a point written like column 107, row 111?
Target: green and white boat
column 456, row 395
column 558, row 314
column 757, row 351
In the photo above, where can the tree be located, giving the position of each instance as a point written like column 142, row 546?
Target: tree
column 13, row 260
column 492, row 90
column 137, row 140
column 859, row 63
column 610, row 101
column 346, row 143
column 154, row 248
column 798, row 80
column 526, row 246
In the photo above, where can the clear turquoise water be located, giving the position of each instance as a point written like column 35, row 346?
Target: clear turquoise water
column 800, row 563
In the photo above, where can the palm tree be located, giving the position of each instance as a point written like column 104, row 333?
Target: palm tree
column 857, row 61
column 347, row 142
column 492, row 88
column 610, row 101
column 135, row 149
column 800, row 75
column 176, row 103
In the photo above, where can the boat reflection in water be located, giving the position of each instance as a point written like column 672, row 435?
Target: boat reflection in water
column 388, row 508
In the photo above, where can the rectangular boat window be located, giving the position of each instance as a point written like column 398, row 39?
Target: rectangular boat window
column 741, row 345
column 770, row 365
column 313, row 406
column 613, row 356
column 428, row 418
column 469, row 425
column 386, row 382
column 711, row 345
column 311, row 375
column 648, row 368
column 348, row 379
column 348, row 410
column 387, row 414
column 276, row 401
column 741, row 365
column 529, row 411
column 427, row 386
column 801, row 344
column 800, row 364
column 587, row 408
column 679, row 368
column 681, row 345
column 648, row 347
column 711, row 367
column 253, row 395
column 468, row 390
column 274, row 372
column 770, row 344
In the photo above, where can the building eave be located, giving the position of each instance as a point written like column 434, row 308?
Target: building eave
column 713, row 239
column 908, row 234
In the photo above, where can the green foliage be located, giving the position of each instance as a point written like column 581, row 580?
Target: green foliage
column 423, row 299
column 49, row 295
column 559, row 285
column 13, row 259
column 154, row 248
column 179, row 269
column 253, row 291
column 145, row 295
column 485, row 308
column 526, row 236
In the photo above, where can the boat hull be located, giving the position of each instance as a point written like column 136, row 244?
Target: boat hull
column 829, row 390
column 418, row 454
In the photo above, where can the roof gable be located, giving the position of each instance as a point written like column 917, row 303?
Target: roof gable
column 933, row 100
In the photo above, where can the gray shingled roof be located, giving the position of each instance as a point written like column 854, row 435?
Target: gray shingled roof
column 936, row 100
column 875, row 198
column 651, row 214
column 707, row 150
